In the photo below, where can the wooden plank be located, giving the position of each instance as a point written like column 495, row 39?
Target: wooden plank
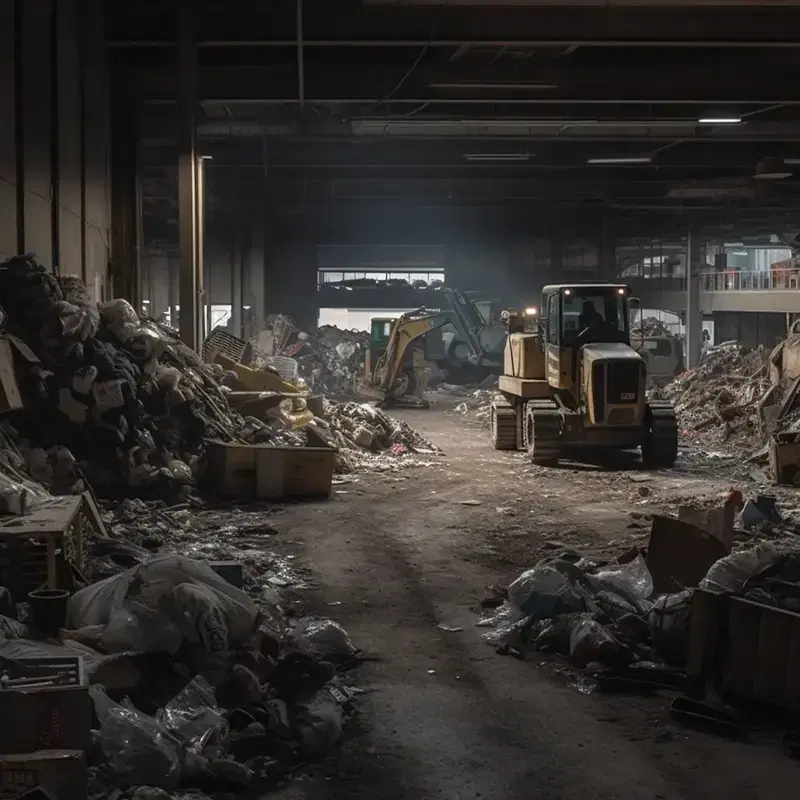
column 706, row 634
column 773, row 649
column 53, row 518
column 791, row 689
column 740, row 669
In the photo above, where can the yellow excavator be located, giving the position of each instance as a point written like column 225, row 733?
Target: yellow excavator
column 577, row 382
column 396, row 367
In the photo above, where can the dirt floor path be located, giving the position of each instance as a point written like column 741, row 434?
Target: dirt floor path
column 444, row 716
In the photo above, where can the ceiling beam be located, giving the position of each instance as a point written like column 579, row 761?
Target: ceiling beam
column 556, row 25
column 354, row 85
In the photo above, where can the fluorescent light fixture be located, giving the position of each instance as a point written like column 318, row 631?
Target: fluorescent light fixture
column 531, row 312
column 620, row 160
column 720, row 120
column 514, row 87
column 206, row 158
column 497, row 156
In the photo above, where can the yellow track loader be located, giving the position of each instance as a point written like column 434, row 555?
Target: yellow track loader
column 576, row 382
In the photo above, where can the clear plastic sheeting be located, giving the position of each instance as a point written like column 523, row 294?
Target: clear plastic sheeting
column 193, row 716
column 20, row 496
column 139, row 749
column 632, row 581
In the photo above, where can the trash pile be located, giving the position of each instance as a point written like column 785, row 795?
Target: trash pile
column 390, row 283
column 478, row 406
column 107, row 397
column 193, row 683
column 721, row 399
column 363, row 433
column 331, row 359
column 119, row 403
column 651, row 326
column 602, row 615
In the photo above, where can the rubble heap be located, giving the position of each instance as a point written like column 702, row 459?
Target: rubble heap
column 361, row 432
column 651, row 326
column 719, row 400
column 122, row 403
column 331, row 358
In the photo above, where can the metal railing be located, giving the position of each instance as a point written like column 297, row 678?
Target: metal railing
column 751, row 281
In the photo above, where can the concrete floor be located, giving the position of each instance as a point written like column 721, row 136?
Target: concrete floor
column 444, row 716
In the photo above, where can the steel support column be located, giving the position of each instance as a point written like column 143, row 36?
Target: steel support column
column 188, row 214
column 694, row 316
column 126, row 209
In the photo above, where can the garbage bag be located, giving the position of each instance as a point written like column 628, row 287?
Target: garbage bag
column 732, row 572
column 319, row 724
column 20, row 496
column 632, row 581
column 590, row 641
column 169, row 599
column 322, row 638
column 192, row 715
column 669, row 620
column 139, row 749
column 543, row 580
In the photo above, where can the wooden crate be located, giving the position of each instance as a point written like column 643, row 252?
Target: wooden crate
column 39, row 550
column 269, row 473
column 751, row 651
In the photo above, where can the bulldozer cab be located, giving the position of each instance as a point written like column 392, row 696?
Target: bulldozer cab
column 575, row 315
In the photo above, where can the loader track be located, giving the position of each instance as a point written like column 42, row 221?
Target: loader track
column 543, row 432
column 504, row 424
column 660, row 445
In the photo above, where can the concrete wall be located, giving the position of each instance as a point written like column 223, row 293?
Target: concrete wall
column 751, row 329
column 55, row 135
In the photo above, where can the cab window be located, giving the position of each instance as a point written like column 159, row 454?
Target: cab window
column 601, row 310
column 381, row 331
column 552, row 319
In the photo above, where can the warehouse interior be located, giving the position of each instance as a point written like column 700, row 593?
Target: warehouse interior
column 276, row 189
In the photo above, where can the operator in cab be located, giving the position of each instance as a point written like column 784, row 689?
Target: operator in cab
column 590, row 317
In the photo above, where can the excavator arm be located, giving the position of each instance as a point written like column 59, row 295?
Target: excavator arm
column 405, row 330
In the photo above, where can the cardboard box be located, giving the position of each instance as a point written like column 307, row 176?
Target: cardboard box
column 294, row 472
column 41, row 548
column 270, row 473
column 51, row 717
column 62, row 772
column 784, row 457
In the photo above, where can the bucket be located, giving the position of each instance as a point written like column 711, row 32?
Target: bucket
column 285, row 367
column 48, row 610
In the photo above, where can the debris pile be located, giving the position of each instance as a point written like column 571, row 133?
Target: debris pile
column 196, row 684
column 720, row 400
column 331, row 359
column 603, row 615
column 651, row 326
column 362, row 432
column 121, row 404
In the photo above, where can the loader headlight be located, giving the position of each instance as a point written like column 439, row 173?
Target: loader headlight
column 531, row 312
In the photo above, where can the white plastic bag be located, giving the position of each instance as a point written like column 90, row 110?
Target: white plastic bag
column 732, row 572
column 323, row 638
column 542, row 579
column 632, row 580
